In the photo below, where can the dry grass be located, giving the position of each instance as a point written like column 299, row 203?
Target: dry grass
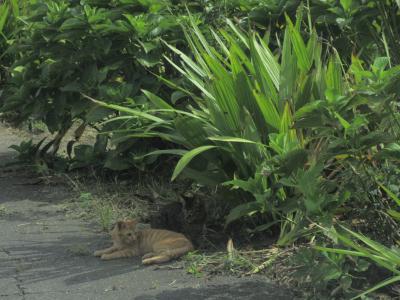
column 109, row 201
column 238, row 262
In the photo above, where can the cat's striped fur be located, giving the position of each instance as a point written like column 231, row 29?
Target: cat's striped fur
column 154, row 245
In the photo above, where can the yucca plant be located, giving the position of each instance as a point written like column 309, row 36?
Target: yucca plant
column 239, row 132
column 270, row 123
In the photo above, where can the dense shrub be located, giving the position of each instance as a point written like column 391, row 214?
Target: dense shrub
column 279, row 129
column 112, row 49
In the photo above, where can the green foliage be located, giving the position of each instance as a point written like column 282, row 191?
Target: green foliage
column 367, row 28
column 80, row 48
column 26, row 150
column 269, row 135
column 388, row 258
column 328, row 275
column 33, row 156
column 248, row 123
column 109, row 50
column 85, row 200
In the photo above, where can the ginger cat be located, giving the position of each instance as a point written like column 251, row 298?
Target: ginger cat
column 156, row 245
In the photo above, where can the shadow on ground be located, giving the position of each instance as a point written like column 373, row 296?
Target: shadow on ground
column 67, row 257
column 249, row 290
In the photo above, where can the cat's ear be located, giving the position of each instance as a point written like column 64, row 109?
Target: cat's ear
column 131, row 222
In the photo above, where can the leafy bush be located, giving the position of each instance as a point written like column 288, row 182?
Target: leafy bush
column 241, row 133
column 108, row 49
column 102, row 48
column 111, row 49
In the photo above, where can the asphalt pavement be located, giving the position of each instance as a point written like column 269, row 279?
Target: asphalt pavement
column 45, row 253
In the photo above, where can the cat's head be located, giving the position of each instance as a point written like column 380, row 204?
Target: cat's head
column 126, row 231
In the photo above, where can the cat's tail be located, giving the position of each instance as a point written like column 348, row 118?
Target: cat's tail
column 168, row 255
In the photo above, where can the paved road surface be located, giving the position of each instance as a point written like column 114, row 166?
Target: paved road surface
column 45, row 254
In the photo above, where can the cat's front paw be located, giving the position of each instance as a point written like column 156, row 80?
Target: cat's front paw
column 98, row 253
column 106, row 257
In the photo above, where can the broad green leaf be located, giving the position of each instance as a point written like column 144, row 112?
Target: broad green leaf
column 286, row 119
column 346, row 4
column 188, row 61
column 241, row 35
column 299, row 47
column 192, row 78
column 72, row 23
column 269, row 62
column 232, row 140
column 240, row 211
column 246, row 185
column 185, row 160
column 4, row 11
column 342, row 121
column 264, row 74
column 309, row 108
column 180, row 152
column 176, row 96
column 125, row 109
column 15, row 7
column 380, row 63
column 288, row 69
column 342, row 251
column 334, row 77
column 157, row 101
column 268, row 110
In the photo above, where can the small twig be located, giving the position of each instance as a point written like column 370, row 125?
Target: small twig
column 172, row 282
column 256, row 251
column 167, row 268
